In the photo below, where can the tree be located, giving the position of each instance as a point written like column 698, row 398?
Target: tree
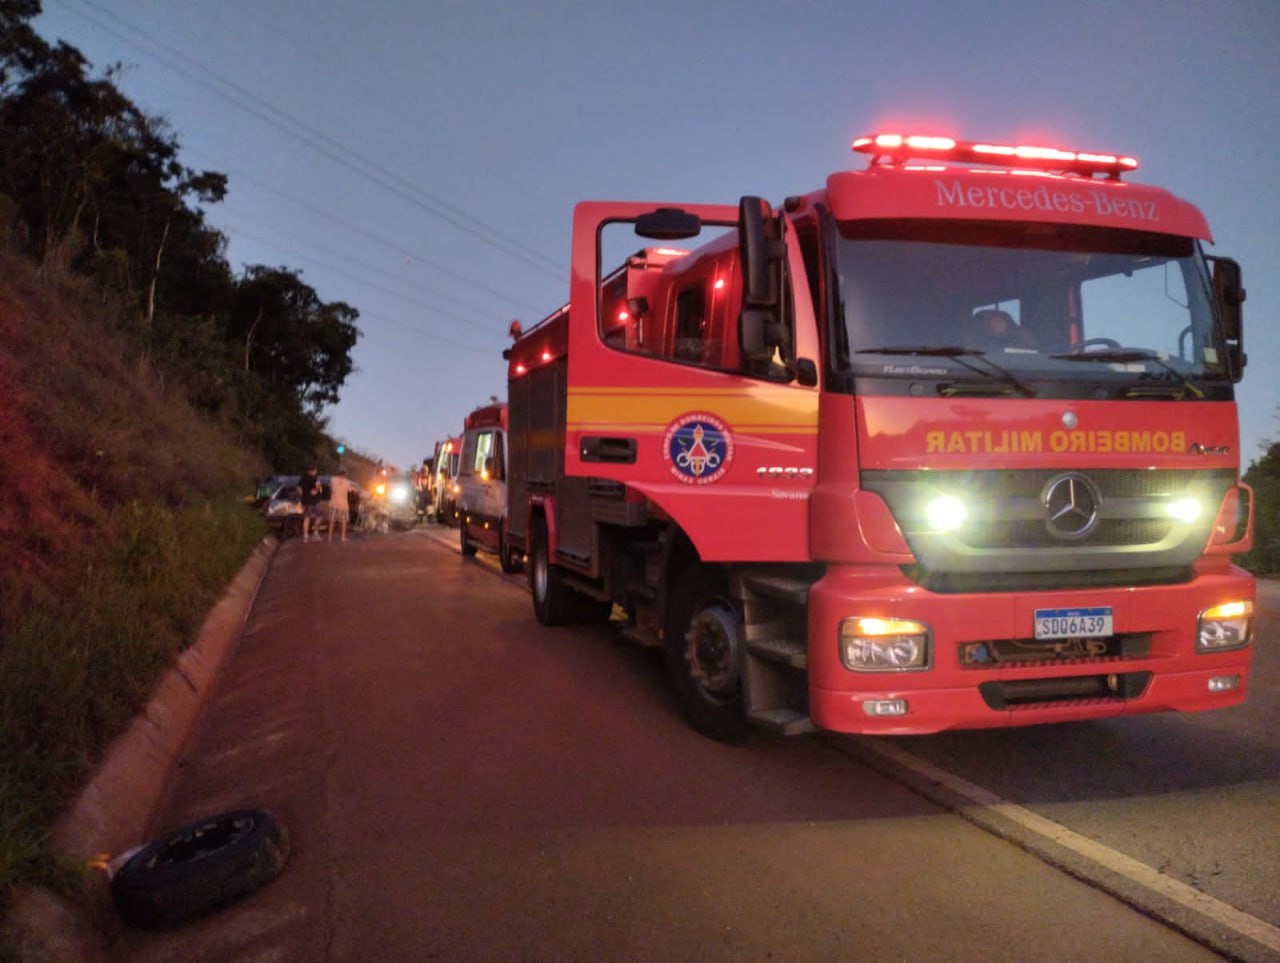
column 1264, row 477
column 92, row 185
column 20, row 46
column 295, row 352
column 295, row 342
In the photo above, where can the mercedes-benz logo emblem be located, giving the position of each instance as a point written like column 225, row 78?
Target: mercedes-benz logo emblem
column 1071, row 505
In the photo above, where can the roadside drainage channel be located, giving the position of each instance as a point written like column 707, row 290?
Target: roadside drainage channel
column 114, row 812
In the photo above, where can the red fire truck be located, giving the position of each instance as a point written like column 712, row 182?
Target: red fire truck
column 482, row 486
column 951, row 443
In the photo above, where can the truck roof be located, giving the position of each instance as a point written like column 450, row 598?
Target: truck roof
column 1010, row 195
column 486, row 416
column 930, row 178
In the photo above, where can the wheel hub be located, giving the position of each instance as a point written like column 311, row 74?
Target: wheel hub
column 712, row 648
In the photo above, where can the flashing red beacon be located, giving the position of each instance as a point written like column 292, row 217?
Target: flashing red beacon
column 897, row 148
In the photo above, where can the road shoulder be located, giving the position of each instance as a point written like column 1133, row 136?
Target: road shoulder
column 113, row 813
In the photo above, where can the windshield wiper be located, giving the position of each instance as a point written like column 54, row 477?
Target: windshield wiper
column 958, row 353
column 1123, row 355
column 924, row 350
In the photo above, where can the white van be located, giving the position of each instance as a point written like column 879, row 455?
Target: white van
column 482, row 486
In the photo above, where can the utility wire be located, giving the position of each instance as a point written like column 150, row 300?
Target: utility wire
column 346, row 259
column 369, row 235
column 491, row 352
column 343, row 272
column 315, row 139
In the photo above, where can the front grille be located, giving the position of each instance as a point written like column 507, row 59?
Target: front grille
column 1114, row 528
column 997, row 653
column 1007, row 510
column 952, row 583
column 1028, row 693
column 996, row 533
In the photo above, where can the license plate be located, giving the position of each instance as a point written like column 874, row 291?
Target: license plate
column 1073, row 623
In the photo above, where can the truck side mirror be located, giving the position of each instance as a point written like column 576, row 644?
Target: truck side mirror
column 1229, row 294
column 760, row 250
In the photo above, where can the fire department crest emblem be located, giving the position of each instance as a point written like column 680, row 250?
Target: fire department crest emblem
column 698, row 448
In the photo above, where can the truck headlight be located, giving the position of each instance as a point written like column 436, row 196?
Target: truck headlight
column 1187, row 510
column 946, row 513
column 883, row 645
column 1225, row 626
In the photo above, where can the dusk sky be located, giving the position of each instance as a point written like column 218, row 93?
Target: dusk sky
column 420, row 159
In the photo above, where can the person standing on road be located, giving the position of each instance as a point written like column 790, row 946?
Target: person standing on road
column 354, row 507
column 339, row 503
column 312, row 493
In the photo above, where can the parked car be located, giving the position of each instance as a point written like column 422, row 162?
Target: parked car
column 266, row 488
column 283, row 507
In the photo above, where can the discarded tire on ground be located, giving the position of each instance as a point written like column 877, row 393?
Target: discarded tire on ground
column 198, row 868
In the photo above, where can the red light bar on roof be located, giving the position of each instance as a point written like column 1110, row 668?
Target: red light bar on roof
column 901, row 147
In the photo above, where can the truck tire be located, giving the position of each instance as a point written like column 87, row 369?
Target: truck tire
column 198, row 868
column 508, row 558
column 552, row 601
column 468, row 549
column 703, row 649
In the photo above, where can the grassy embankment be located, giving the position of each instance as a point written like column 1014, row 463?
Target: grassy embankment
column 121, row 520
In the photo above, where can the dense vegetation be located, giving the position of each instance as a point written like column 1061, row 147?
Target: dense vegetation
column 1264, row 476
column 143, row 386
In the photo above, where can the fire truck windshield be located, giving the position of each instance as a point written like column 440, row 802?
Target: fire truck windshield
column 1030, row 303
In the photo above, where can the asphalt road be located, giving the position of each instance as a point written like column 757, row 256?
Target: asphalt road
column 1196, row 796
column 463, row 784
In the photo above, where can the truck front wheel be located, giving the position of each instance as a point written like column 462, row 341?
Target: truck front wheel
column 704, row 654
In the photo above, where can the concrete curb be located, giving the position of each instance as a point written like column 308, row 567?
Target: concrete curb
column 114, row 811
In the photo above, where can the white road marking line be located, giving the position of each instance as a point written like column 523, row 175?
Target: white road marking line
column 1260, row 931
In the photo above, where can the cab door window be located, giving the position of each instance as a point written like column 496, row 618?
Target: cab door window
column 478, row 463
column 682, row 306
column 691, row 325
column 496, row 463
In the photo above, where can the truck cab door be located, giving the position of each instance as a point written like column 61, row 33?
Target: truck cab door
column 667, row 397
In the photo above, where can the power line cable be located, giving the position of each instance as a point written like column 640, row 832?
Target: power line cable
column 450, row 213
column 316, row 139
column 364, row 266
column 399, row 249
column 490, row 352
column 430, row 308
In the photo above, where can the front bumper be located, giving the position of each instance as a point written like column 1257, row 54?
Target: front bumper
column 1169, row 675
